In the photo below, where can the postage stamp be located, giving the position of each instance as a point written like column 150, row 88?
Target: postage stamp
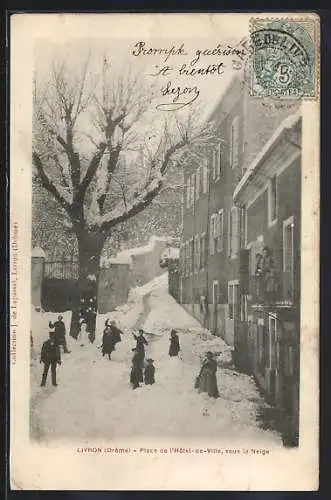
column 284, row 61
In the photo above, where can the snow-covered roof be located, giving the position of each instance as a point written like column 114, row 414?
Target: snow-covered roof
column 117, row 259
column 38, row 252
column 124, row 257
column 126, row 254
column 286, row 125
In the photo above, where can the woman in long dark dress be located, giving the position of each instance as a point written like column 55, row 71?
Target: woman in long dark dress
column 136, row 375
column 174, row 344
column 140, row 348
column 206, row 380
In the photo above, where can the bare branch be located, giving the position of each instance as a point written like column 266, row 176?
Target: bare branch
column 49, row 185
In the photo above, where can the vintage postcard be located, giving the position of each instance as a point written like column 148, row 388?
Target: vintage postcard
column 164, row 240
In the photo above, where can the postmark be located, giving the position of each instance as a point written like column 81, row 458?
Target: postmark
column 284, row 62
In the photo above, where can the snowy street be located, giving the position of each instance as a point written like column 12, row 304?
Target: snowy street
column 94, row 398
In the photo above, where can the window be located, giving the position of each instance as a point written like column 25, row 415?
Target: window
column 272, row 200
column 233, row 232
column 215, row 292
column 220, row 228
column 216, row 232
column 244, row 310
column 217, row 162
column 272, row 340
column 234, row 142
column 205, row 177
column 233, row 299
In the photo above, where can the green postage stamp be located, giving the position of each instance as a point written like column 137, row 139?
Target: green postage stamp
column 284, row 61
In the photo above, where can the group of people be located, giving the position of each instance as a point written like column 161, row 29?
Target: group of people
column 50, row 354
column 142, row 371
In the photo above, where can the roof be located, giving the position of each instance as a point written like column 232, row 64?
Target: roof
column 124, row 257
column 38, row 252
column 285, row 126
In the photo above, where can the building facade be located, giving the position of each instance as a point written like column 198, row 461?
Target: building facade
column 241, row 211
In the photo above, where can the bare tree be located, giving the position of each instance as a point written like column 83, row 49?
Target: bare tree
column 92, row 152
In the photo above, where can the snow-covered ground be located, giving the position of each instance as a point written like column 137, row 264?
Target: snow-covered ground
column 94, row 399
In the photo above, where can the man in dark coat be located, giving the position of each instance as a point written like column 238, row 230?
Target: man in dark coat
column 51, row 357
column 115, row 332
column 136, row 375
column 149, row 373
column 174, row 344
column 60, row 333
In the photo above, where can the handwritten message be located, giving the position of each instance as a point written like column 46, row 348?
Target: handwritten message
column 178, row 63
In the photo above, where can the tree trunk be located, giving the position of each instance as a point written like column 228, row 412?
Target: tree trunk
column 90, row 245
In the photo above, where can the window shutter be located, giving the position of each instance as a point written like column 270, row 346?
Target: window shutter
column 205, row 177
column 235, row 230
column 229, row 233
column 214, row 165
column 193, row 189
column 211, row 235
column 197, row 187
column 188, row 192
column 234, row 142
column 219, row 159
column 220, row 232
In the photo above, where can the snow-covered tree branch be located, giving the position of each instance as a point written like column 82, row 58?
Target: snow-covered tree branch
column 102, row 150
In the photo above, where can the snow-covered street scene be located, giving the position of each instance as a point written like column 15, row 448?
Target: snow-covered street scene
column 165, row 264
column 94, row 398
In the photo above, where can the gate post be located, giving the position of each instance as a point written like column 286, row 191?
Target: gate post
column 38, row 257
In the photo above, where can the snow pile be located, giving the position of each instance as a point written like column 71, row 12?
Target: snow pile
column 124, row 257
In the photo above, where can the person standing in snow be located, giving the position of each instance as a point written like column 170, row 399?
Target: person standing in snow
column 51, row 357
column 83, row 336
column 111, row 336
column 206, row 380
column 107, row 341
column 136, row 375
column 60, row 333
column 141, row 342
column 140, row 348
column 115, row 332
column 149, row 373
column 174, row 344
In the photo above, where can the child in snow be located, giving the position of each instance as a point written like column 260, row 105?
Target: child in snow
column 174, row 344
column 149, row 373
column 83, row 336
